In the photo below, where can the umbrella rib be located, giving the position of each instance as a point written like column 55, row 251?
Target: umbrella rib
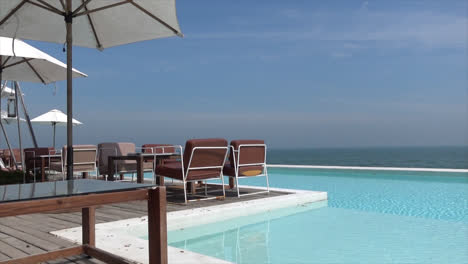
column 34, row 70
column 46, row 7
column 101, row 8
column 99, row 46
column 4, row 63
column 16, row 63
column 63, row 5
column 83, row 5
column 155, row 18
column 13, row 11
column 50, row 6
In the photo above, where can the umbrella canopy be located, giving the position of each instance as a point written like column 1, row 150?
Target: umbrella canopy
column 54, row 117
column 88, row 23
column 22, row 62
column 96, row 23
column 8, row 120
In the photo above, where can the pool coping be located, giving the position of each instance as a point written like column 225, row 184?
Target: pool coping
column 365, row 168
column 110, row 237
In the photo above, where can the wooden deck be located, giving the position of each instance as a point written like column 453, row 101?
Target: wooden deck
column 29, row 234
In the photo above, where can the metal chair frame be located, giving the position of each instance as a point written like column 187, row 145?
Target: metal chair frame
column 237, row 166
column 185, row 173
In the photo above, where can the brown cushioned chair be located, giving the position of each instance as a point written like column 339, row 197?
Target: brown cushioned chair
column 247, row 158
column 203, row 159
column 121, row 166
column 84, row 159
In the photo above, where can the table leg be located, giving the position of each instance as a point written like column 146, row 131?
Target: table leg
column 43, row 169
column 110, row 169
column 159, row 180
column 192, row 187
column 89, row 222
column 85, row 175
column 139, row 169
column 157, row 226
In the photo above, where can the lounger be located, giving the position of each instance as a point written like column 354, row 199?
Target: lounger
column 203, row 159
column 247, row 159
column 122, row 166
column 84, row 160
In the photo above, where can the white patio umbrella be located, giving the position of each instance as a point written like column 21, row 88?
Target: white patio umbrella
column 22, row 62
column 89, row 23
column 8, row 120
column 54, row 117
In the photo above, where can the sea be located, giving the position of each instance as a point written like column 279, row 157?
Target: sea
column 454, row 157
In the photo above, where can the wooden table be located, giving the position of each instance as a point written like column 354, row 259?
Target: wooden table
column 139, row 158
column 86, row 194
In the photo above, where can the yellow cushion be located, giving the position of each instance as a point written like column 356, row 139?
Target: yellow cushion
column 251, row 172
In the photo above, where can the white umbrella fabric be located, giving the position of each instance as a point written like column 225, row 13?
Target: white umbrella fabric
column 54, row 117
column 89, row 23
column 8, row 120
column 22, row 62
column 7, row 92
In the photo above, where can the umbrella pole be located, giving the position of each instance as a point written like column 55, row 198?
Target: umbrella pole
column 12, row 155
column 53, row 124
column 69, row 21
column 19, row 132
column 26, row 115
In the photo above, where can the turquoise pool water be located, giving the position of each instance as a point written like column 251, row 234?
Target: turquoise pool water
column 370, row 217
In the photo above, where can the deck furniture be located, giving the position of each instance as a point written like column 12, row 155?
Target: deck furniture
column 86, row 194
column 203, row 159
column 160, row 154
column 84, row 160
column 38, row 159
column 121, row 161
column 247, row 158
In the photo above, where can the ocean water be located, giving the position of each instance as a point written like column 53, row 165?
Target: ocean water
column 370, row 217
column 408, row 157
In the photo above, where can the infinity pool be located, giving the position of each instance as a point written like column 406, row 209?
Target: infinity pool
column 370, row 217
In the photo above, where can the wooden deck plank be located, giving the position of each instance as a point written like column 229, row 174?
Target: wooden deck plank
column 33, row 240
column 10, row 251
column 13, row 223
column 26, row 247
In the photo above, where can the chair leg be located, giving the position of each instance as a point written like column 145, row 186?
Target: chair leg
column 222, row 180
column 267, row 181
column 237, row 187
column 206, row 188
column 185, row 191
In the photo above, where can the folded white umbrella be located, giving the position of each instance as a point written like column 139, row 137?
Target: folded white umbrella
column 7, row 91
column 9, row 120
column 54, row 117
column 88, row 23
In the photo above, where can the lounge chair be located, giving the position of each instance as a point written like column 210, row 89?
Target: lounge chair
column 203, row 159
column 247, row 159
column 84, row 160
column 122, row 166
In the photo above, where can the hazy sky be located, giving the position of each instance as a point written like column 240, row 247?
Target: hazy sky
column 295, row 73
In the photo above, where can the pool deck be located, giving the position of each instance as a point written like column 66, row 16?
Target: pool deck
column 25, row 235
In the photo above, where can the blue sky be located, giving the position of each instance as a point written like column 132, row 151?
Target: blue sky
column 295, row 73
